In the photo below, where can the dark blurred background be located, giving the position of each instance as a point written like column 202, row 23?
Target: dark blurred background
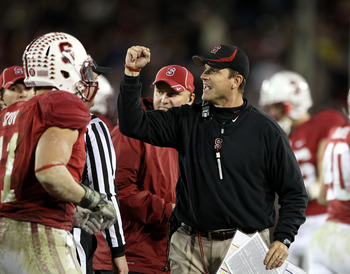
column 310, row 37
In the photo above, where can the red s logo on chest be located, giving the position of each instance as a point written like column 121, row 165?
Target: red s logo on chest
column 218, row 143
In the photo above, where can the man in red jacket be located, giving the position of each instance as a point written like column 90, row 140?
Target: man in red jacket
column 146, row 178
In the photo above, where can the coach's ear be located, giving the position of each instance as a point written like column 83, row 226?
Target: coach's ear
column 191, row 99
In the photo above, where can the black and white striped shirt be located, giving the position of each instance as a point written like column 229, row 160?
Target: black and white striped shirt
column 99, row 174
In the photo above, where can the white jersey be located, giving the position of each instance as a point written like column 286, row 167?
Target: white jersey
column 329, row 250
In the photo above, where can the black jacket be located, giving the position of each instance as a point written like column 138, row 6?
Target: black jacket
column 256, row 158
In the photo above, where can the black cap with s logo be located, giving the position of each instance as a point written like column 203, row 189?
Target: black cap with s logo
column 225, row 56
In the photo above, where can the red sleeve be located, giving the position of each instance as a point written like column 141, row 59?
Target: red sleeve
column 63, row 109
column 328, row 119
column 136, row 203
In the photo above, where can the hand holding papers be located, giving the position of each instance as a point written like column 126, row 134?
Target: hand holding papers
column 246, row 255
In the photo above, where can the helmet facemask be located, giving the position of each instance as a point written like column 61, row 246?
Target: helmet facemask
column 88, row 86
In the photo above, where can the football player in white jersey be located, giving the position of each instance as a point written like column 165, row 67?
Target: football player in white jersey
column 329, row 249
column 286, row 97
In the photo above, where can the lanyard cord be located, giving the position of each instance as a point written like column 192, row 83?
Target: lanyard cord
column 218, row 144
column 216, row 148
column 202, row 252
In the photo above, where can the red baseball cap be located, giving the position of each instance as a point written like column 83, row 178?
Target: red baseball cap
column 10, row 75
column 179, row 78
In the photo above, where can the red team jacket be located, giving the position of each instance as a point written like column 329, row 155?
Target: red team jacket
column 146, row 179
column 305, row 140
column 21, row 126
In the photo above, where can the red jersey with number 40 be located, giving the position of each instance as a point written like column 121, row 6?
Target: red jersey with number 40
column 305, row 140
column 21, row 126
column 336, row 167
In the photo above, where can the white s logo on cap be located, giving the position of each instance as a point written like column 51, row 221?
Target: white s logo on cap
column 170, row 71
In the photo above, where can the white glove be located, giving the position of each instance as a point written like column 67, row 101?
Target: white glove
column 100, row 206
column 93, row 224
column 108, row 215
column 87, row 220
column 81, row 215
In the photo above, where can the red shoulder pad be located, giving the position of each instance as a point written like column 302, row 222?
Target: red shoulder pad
column 63, row 109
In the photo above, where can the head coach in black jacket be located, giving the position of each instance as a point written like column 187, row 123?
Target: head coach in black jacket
column 233, row 159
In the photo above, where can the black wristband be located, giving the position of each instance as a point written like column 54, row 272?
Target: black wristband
column 285, row 241
column 92, row 199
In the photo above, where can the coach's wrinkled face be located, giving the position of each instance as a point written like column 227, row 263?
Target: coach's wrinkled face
column 164, row 97
column 15, row 93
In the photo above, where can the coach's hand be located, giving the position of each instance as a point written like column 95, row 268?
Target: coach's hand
column 277, row 254
column 137, row 57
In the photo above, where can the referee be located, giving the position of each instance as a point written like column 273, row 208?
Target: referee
column 99, row 174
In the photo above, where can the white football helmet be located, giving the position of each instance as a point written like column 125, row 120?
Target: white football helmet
column 289, row 88
column 101, row 99
column 59, row 60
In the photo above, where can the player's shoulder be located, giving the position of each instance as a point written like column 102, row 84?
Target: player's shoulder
column 63, row 109
column 59, row 96
column 328, row 118
column 329, row 113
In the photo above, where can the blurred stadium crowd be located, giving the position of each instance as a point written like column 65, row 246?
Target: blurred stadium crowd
column 310, row 37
